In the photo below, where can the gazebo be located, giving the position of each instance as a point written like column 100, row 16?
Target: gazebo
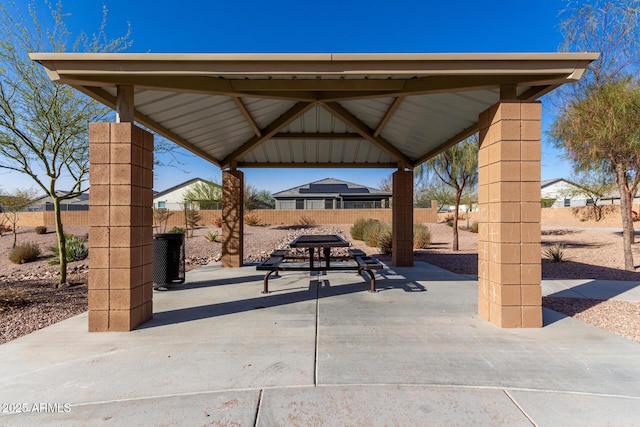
column 316, row 110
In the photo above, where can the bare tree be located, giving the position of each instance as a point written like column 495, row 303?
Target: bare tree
column 44, row 126
column 14, row 203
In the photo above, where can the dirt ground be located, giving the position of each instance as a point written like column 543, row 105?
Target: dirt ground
column 29, row 299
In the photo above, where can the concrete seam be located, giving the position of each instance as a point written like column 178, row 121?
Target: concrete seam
column 315, row 356
column 257, row 418
column 519, row 407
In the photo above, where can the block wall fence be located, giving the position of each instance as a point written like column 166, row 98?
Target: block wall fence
column 550, row 216
column 265, row 216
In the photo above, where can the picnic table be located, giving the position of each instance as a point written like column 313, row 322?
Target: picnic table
column 356, row 260
column 321, row 241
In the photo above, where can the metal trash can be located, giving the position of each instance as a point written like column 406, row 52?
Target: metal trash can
column 168, row 259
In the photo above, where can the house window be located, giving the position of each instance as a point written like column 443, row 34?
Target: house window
column 162, row 205
column 589, row 202
column 567, row 203
column 328, row 203
column 299, row 203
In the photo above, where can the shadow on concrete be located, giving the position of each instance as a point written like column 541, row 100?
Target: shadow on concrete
column 319, row 287
column 195, row 284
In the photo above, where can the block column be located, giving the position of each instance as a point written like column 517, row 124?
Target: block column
column 402, row 219
column 232, row 218
column 509, row 251
column 121, row 226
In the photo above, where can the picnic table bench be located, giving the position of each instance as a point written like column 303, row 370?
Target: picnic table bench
column 277, row 260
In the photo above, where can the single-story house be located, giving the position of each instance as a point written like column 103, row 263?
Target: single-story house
column 559, row 193
column 45, row 203
column 173, row 198
column 332, row 193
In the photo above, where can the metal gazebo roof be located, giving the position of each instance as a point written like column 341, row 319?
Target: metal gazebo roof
column 314, row 110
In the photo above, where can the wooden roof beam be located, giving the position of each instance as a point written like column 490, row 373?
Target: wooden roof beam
column 247, row 116
column 285, row 119
column 107, row 99
column 356, row 124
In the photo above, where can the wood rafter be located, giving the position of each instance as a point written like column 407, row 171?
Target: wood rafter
column 387, row 116
column 536, row 92
column 247, row 115
column 449, row 143
column 356, row 124
column 191, row 84
column 274, row 127
column 110, row 100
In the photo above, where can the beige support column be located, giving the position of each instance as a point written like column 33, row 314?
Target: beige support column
column 120, row 231
column 509, row 266
column 402, row 219
column 232, row 218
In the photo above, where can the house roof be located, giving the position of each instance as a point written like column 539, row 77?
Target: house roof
column 331, row 187
column 548, row 182
column 312, row 110
column 182, row 185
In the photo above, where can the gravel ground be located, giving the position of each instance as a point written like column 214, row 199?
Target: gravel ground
column 30, row 301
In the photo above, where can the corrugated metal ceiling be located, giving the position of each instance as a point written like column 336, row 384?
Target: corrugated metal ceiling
column 329, row 110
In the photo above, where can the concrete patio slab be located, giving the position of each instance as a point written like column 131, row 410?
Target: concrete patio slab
column 320, row 350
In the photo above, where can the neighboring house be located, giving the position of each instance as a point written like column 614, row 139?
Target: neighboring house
column 173, row 198
column 561, row 193
column 331, row 193
column 45, row 203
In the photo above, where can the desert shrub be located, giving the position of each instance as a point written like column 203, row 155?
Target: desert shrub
column 450, row 223
column 11, row 297
column 358, row 229
column 24, row 253
column 211, row 237
column 176, row 230
column 76, row 249
column 41, row 229
column 421, row 236
column 251, row 219
column 474, row 227
column 374, row 232
column 555, row 253
column 385, row 241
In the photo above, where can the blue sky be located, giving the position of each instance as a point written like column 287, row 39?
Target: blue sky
column 425, row 26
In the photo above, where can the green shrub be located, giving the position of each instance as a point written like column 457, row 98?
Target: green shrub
column 357, row 230
column 373, row 233
column 421, row 236
column 211, row 237
column 450, row 223
column 76, row 249
column 24, row 253
column 385, row 241
column 474, row 227
column 176, row 230
column 41, row 229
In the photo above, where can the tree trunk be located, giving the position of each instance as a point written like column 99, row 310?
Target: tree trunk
column 627, row 219
column 455, row 220
column 62, row 242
